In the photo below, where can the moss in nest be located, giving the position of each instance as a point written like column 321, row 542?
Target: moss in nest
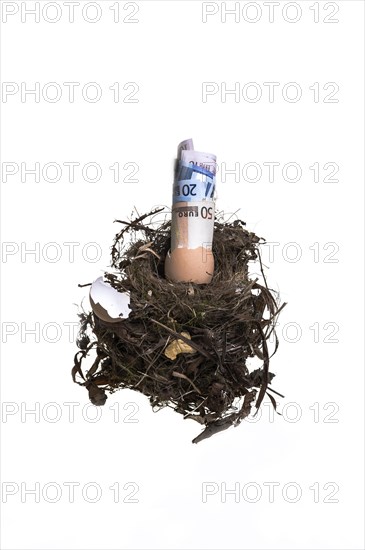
column 219, row 325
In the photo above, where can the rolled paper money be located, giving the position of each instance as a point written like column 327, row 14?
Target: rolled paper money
column 184, row 145
column 190, row 257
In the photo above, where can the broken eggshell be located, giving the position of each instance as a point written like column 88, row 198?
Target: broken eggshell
column 107, row 303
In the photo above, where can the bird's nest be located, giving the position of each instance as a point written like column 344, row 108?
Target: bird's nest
column 184, row 345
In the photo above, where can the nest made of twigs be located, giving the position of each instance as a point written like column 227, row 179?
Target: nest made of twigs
column 222, row 324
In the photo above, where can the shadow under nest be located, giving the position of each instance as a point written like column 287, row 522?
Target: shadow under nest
column 224, row 323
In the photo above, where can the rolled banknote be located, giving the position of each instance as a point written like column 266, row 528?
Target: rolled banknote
column 190, row 257
column 203, row 160
column 184, row 145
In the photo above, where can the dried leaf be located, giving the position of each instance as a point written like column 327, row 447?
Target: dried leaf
column 178, row 346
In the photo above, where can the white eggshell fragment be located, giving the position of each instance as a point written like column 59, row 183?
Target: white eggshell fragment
column 107, row 303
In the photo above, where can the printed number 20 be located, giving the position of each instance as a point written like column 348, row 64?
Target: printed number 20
column 187, row 190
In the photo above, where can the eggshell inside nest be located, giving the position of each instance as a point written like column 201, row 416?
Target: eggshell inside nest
column 194, row 265
column 107, row 303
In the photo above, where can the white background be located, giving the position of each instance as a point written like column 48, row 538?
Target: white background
column 169, row 53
